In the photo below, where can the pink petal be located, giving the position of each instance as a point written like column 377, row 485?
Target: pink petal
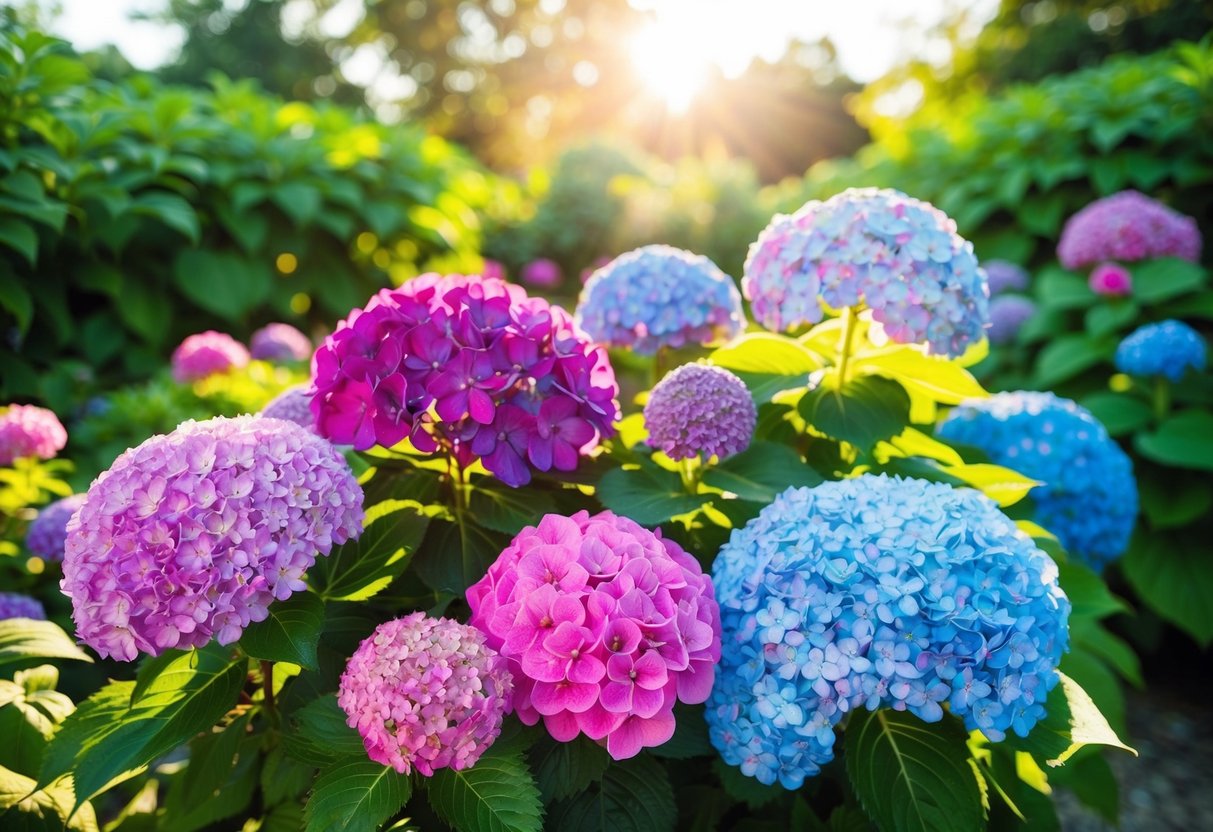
column 637, row 733
column 596, row 723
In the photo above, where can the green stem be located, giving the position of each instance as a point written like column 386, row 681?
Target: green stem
column 848, row 336
column 1162, row 398
column 691, row 471
column 267, row 686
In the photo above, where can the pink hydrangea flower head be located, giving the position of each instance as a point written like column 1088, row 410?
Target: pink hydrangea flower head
column 543, row 273
column 470, row 366
column 1127, row 226
column 280, row 342
column 493, row 269
column 195, row 533
column 605, row 625
column 425, row 693
column 1111, row 279
column 207, row 353
column 47, row 533
column 27, row 430
column 700, row 410
column 16, row 605
column 293, row 404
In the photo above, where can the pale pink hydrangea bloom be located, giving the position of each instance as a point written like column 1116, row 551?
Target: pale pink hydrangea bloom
column 27, row 430
column 207, row 353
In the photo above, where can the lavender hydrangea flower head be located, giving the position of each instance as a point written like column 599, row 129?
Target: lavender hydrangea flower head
column 1127, row 226
column 471, row 366
column 1005, row 276
column 280, row 342
column 700, row 410
column 1008, row 313
column 659, row 296
column 293, row 404
column 27, row 430
column 878, row 592
column 48, row 531
column 900, row 257
column 195, row 533
column 425, row 693
column 15, row 605
column 1168, row 349
column 1088, row 497
column 605, row 625
column 207, row 353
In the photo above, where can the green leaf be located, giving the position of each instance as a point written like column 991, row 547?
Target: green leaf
column 298, row 200
column 648, row 494
column 1170, row 501
column 1057, row 289
column 1071, row 721
column 564, row 769
column 496, row 506
column 910, row 775
column 1066, row 357
column 26, row 731
column 15, row 298
column 767, row 353
column 497, row 794
column 453, row 556
column 745, row 789
column 289, row 633
column 1155, row 281
column 284, row 779
column 22, row 639
column 21, row 237
column 634, row 796
column 1110, row 316
column 1089, row 596
column 865, row 411
column 1119, row 413
column 690, row 737
column 1175, row 579
column 170, row 209
column 1002, row 485
column 356, row 796
column 1185, row 440
column 222, row 282
column 939, row 378
column 322, row 733
column 218, row 783
column 359, row 569
column 761, row 472
column 25, row 808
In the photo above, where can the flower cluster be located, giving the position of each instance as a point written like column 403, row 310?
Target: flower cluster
column 1111, row 280
column 27, row 430
column 660, row 296
column 900, row 257
column 875, row 592
column 1008, row 313
column 543, row 273
column 195, row 533
column 280, row 342
column 293, row 404
column 48, row 531
column 1005, row 276
column 469, row 365
column 15, row 605
column 1127, row 226
column 700, row 410
column 1088, row 497
column 605, row 625
column 425, row 693
column 207, row 353
column 1169, row 349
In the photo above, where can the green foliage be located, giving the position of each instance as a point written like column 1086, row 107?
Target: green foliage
column 633, row 796
column 290, row 633
column 23, row 641
column 355, row 794
column 498, row 794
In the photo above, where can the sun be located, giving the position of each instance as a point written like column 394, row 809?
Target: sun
column 670, row 68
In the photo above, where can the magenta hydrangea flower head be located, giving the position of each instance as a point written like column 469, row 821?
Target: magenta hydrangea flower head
column 1005, row 276
column 293, row 404
column 493, row 269
column 471, row 366
column 47, row 534
column 899, row 257
column 207, row 353
column 280, row 342
column 425, row 693
column 1127, row 226
column 660, row 296
column 193, row 534
column 28, row 430
column 1111, row 279
column 543, row 273
column 1008, row 314
column 15, row 605
column 700, row 410
column 605, row 625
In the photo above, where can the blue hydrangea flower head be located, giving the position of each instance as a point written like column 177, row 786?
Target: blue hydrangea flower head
column 1008, row 314
column 1089, row 495
column 659, row 296
column 1167, row 349
column 878, row 592
column 900, row 257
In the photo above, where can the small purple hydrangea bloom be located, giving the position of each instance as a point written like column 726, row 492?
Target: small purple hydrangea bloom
column 15, row 605
column 543, row 273
column 293, row 404
column 280, row 342
column 899, row 257
column 659, row 296
column 1168, row 349
column 878, row 592
column 1127, row 227
column 1008, row 313
column 27, row 430
column 48, row 531
column 207, row 353
column 1005, row 276
column 195, row 533
column 700, row 410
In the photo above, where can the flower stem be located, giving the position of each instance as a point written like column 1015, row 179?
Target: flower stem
column 1162, row 398
column 844, row 344
column 691, row 471
column 267, row 686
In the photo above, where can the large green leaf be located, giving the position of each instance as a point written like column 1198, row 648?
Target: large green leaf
column 289, row 633
column 223, row 282
column 26, row 808
column 23, row 640
column 747, row 790
column 496, row 506
column 454, row 555
column 767, row 353
column 1067, row 356
column 1158, row 280
column 356, row 796
column 1071, row 722
column 648, row 494
column 564, row 769
column 939, row 378
column 170, row 209
column 359, row 569
column 633, row 796
column 1059, row 289
column 1119, row 413
column 1185, row 440
column 761, row 472
column 221, row 764
column 1173, row 574
column 320, row 734
column 1002, row 485
column 911, row 776
column 864, row 411
column 497, row 794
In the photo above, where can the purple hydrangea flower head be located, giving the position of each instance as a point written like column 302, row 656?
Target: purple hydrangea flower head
column 1005, row 276
column 1088, row 496
column 28, row 430
column 471, row 366
column 15, row 605
column 659, row 296
column 543, row 273
column 700, row 410
column 425, row 693
column 1008, row 313
column 1111, row 280
column 193, row 534
column 605, row 625
column 280, row 342
column 48, row 531
column 207, row 353
column 1128, row 227
column 900, row 257
column 1168, row 349
column 878, row 592
column 293, row 404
